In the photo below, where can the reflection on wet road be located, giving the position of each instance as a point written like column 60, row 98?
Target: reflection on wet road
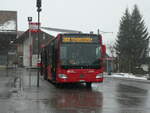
column 77, row 101
column 5, row 89
column 19, row 94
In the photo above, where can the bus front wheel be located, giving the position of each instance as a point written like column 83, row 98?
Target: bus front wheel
column 88, row 84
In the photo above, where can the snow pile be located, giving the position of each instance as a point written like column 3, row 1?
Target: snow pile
column 9, row 25
column 127, row 75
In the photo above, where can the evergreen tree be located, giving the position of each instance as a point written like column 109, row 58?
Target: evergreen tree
column 131, row 43
column 139, row 38
column 122, row 42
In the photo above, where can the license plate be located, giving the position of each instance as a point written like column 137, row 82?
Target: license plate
column 82, row 80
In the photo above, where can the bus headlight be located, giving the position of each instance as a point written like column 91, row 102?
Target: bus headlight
column 63, row 76
column 100, row 75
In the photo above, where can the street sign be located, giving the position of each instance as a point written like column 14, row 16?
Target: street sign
column 33, row 26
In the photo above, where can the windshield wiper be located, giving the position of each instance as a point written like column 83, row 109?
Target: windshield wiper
column 80, row 66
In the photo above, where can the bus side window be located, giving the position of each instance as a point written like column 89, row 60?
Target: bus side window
column 98, row 52
column 50, row 54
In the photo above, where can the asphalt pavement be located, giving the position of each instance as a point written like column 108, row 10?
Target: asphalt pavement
column 19, row 94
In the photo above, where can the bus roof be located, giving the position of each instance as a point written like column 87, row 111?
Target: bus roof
column 81, row 34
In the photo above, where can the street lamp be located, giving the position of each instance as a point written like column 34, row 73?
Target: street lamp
column 38, row 4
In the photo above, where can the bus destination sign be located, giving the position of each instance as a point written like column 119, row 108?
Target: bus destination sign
column 78, row 39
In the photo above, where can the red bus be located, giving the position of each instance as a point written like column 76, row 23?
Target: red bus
column 72, row 58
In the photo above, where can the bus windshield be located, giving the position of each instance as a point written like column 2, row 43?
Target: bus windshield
column 78, row 55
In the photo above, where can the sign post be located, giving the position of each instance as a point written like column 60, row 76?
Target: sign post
column 38, row 10
column 30, row 41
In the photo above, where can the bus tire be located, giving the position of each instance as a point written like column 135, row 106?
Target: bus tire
column 88, row 84
column 58, row 85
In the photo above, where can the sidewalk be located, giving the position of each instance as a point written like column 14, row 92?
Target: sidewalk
column 26, row 97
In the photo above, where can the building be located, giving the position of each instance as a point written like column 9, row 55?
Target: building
column 27, row 47
column 8, row 33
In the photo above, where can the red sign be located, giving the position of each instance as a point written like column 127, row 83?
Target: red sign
column 33, row 26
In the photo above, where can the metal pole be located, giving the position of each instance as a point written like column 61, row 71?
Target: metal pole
column 38, row 10
column 98, row 32
column 30, row 38
column 30, row 57
column 30, row 49
column 148, row 60
column 38, row 76
column 30, row 41
column 107, row 66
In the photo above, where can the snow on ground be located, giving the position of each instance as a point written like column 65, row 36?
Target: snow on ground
column 128, row 75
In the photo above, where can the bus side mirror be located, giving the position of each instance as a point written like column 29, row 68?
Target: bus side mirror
column 103, row 50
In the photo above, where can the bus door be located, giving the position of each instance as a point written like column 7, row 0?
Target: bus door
column 53, row 62
column 45, row 63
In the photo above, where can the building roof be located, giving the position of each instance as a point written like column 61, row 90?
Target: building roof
column 8, row 21
column 21, row 36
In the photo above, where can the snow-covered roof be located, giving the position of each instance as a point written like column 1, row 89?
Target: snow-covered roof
column 8, row 26
column 24, row 35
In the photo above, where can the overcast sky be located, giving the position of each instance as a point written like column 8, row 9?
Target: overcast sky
column 84, row 15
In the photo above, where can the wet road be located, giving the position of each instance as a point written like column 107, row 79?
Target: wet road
column 19, row 94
